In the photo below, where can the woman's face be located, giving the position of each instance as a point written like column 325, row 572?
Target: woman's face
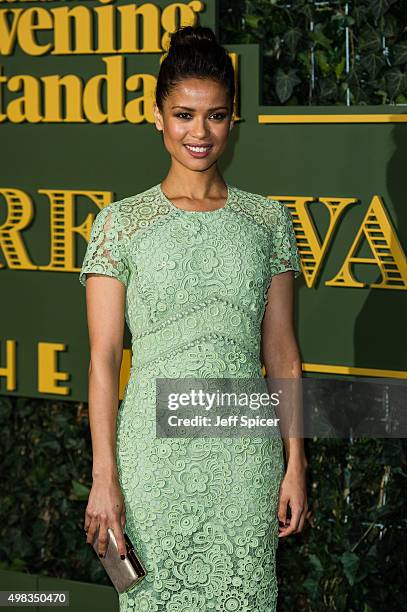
column 195, row 114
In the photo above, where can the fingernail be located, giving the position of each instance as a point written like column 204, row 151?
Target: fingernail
column 122, row 557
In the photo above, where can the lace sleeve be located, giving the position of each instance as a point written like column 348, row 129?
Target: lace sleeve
column 284, row 252
column 104, row 253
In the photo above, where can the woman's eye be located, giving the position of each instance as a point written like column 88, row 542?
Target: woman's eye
column 220, row 116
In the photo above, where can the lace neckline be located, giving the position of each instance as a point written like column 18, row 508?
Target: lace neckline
column 197, row 212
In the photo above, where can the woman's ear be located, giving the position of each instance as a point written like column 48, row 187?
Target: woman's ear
column 157, row 118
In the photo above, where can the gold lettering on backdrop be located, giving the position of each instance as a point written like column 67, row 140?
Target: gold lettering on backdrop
column 83, row 101
column 236, row 103
column 141, row 109
column 84, row 24
column 388, row 254
column 68, row 98
column 311, row 251
column 20, row 212
column 48, row 374
column 8, row 371
column 63, row 228
column 178, row 12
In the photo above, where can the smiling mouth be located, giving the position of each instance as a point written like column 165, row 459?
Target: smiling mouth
column 196, row 149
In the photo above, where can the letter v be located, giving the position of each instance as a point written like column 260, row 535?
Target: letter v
column 8, row 33
column 312, row 252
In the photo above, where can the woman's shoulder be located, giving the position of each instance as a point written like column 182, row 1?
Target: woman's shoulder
column 257, row 198
column 262, row 206
column 120, row 211
column 132, row 212
column 130, row 203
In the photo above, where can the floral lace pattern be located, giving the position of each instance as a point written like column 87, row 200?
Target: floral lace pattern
column 200, row 511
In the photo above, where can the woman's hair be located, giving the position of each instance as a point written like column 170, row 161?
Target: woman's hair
column 194, row 52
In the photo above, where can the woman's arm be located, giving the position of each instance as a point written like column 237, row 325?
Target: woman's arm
column 105, row 298
column 281, row 358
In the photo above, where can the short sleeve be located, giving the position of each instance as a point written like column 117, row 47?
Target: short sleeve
column 284, row 251
column 105, row 250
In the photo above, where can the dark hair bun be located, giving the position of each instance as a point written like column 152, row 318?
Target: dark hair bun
column 189, row 35
column 194, row 52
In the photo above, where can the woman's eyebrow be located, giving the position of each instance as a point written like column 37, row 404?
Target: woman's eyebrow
column 192, row 109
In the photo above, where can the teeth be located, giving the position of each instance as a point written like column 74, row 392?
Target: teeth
column 198, row 149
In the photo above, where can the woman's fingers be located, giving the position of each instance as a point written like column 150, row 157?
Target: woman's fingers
column 87, row 521
column 123, row 519
column 103, row 535
column 121, row 544
column 92, row 529
column 301, row 523
column 302, row 519
column 282, row 510
column 101, row 523
column 295, row 517
column 296, row 512
column 290, row 528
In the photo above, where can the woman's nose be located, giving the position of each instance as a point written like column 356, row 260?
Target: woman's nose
column 199, row 129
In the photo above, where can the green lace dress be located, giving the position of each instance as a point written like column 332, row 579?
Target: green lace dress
column 200, row 511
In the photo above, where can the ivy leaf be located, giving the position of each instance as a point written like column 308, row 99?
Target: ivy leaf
column 291, row 38
column 319, row 37
column 304, row 8
column 285, row 83
column 304, row 58
column 399, row 470
column 350, row 563
column 382, row 93
column 328, row 88
column 372, row 63
column 400, row 53
column 339, row 68
column 379, row 7
column 371, row 41
column 316, row 563
column 252, row 20
column 322, row 62
column 396, row 82
column 311, row 585
column 391, row 27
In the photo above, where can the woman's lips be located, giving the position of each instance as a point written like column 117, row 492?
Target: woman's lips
column 198, row 153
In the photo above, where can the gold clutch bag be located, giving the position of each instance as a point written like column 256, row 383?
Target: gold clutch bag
column 124, row 573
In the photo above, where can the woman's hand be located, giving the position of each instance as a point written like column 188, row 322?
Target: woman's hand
column 293, row 493
column 105, row 509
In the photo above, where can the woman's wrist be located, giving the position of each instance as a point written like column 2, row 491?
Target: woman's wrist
column 297, row 463
column 105, row 472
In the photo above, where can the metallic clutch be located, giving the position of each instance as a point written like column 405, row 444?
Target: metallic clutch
column 124, row 573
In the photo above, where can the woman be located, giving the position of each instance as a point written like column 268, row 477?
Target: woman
column 190, row 262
